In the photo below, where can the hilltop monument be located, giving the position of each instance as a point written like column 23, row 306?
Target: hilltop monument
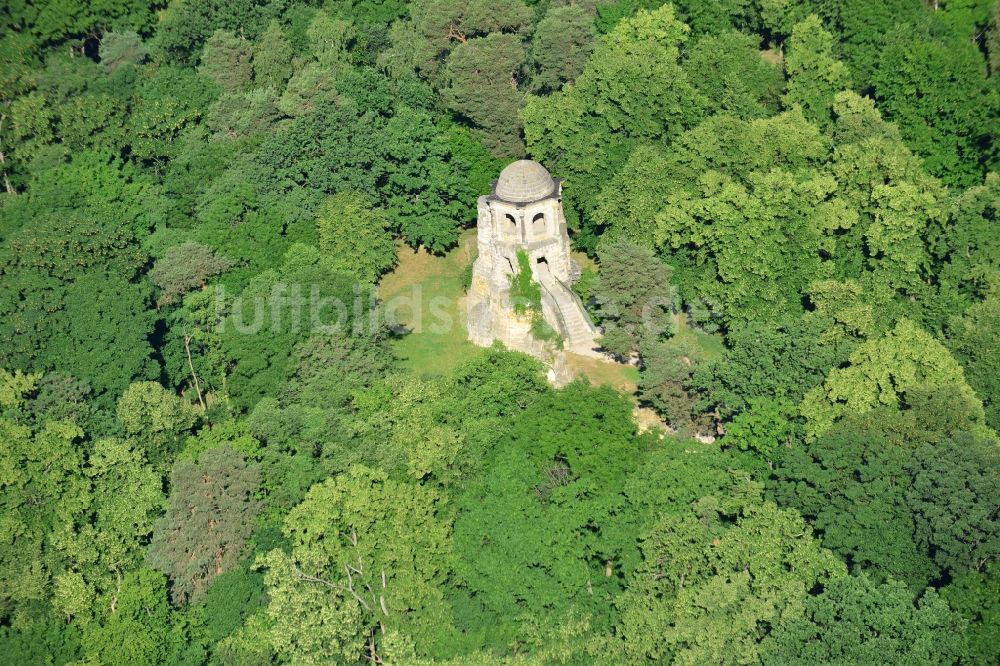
column 524, row 213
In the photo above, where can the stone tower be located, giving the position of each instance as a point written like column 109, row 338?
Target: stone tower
column 524, row 212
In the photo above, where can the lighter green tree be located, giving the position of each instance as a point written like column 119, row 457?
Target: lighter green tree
column 369, row 555
column 354, row 236
column 881, row 371
column 126, row 497
column 272, row 58
column 227, row 60
column 705, row 593
column 814, row 76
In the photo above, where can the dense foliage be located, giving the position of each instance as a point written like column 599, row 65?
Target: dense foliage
column 211, row 453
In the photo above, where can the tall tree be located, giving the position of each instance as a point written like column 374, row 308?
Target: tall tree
column 881, row 372
column 634, row 297
column 272, row 58
column 482, row 85
column 211, row 513
column 814, row 75
column 368, row 558
column 560, row 46
column 541, row 527
column 354, row 236
column 139, row 629
column 71, row 263
column 155, row 417
column 44, row 493
column 851, row 484
column 185, row 267
column 227, row 60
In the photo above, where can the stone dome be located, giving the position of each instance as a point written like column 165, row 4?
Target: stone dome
column 524, row 181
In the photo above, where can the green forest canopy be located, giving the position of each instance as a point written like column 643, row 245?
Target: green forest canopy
column 807, row 190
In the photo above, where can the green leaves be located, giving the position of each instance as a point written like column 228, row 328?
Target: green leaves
column 227, row 60
column 881, row 372
column 367, row 552
column 814, row 76
column 185, row 267
column 934, row 86
column 540, row 530
column 354, row 236
column 954, row 500
column 855, row 620
column 632, row 87
column 635, row 297
column 707, row 592
column 482, row 86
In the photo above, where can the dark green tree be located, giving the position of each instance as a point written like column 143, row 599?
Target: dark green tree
column 953, row 497
column 778, row 359
column 560, row 45
column 482, row 77
column 936, row 90
column 857, row 621
column 852, row 485
column 71, row 262
column 634, row 298
column 538, row 529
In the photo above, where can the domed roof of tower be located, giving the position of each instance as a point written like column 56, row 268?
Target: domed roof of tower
column 524, row 181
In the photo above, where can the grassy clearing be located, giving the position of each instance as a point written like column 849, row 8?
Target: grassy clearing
column 426, row 294
column 624, row 378
column 711, row 343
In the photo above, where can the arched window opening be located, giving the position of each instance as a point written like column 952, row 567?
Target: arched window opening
column 511, row 228
column 538, row 224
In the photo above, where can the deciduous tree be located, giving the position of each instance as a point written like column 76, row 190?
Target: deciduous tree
column 369, row 554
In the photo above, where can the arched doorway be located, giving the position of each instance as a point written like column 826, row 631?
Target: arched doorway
column 542, row 268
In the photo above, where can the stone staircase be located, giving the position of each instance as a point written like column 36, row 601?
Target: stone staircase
column 577, row 330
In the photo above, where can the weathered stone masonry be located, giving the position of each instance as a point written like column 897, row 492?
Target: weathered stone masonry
column 524, row 212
